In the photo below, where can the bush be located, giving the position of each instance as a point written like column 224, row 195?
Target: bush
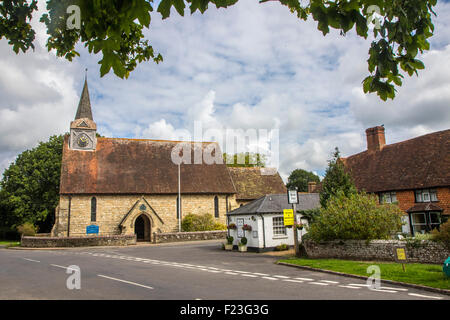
column 357, row 216
column 230, row 240
column 443, row 235
column 203, row 222
column 243, row 241
column 27, row 229
column 282, row 247
column 8, row 234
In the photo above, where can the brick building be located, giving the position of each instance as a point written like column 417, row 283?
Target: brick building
column 130, row 186
column 414, row 173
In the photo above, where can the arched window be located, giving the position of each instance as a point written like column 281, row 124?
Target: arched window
column 216, row 206
column 93, row 209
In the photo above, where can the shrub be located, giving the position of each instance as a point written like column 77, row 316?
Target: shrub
column 200, row 222
column 357, row 216
column 243, row 241
column 282, row 247
column 443, row 235
column 230, row 240
column 27, row 229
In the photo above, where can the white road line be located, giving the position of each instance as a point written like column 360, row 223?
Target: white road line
column 296, row 281
column 390, row 288
column 358, row 284
column 249, row 275
column 31, row 260
column 350, row 287
column 270, row 278
column 232, row 273
column 214, row 271
column 260, row 274
column 282, row 277
column 62, row 267
column 381, row 290
column 329, row 281
column 240, row 271
column 424, row 296
column 319, row 283
column 305, row 279
column 129, row 282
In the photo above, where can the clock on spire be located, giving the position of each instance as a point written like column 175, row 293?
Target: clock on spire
column 83, row 129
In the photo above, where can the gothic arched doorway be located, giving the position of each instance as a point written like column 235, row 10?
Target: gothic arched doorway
column 142, row 228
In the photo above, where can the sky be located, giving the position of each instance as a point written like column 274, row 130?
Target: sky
column 250, row 66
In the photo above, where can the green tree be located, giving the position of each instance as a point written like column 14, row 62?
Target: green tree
column 245, row 159
column 29, row 190
column 357, row 216
column 336, row 179
column 115, row 28
column 299, row 178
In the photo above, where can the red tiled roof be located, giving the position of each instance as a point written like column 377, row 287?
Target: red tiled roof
column 251, row 184
column 421, row 162
column 130, row 166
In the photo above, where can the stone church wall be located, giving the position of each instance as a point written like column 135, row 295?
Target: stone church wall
column 112, row 209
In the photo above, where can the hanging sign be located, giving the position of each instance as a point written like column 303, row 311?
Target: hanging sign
column 292, row 196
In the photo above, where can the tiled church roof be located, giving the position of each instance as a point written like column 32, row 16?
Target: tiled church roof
column 130, row 166
column 251, row 184
column 421, row 162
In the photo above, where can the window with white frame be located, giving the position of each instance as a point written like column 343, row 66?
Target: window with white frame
column 388, row 197
column 423, row 222
column 426, row 195
column 278, row 226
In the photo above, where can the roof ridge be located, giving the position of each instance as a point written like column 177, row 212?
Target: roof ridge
column 156, row 140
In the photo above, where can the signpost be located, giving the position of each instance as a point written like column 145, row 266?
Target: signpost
column 400, row 256
column 293, row 199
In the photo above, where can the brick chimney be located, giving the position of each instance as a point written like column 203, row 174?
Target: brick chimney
column 312, row 186
column 375, row 138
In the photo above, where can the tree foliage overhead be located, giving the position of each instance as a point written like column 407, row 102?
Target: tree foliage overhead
column 115, row 28
column 29, row 190
column 299, row 178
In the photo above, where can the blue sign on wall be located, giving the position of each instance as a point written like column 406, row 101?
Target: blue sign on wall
column 92, row 229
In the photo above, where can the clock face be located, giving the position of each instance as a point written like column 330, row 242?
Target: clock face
column 82, row 140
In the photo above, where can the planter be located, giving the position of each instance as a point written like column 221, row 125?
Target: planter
column 228, row 246
column 242, row 248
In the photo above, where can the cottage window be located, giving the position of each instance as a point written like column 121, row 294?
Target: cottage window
column 426, row 195
column 278, row 226
column 93, row 209
column 388, row 197
column 423, row 222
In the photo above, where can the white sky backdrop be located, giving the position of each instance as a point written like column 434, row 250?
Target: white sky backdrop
column 249, row 66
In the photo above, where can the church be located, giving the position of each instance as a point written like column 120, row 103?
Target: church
column 118, row 186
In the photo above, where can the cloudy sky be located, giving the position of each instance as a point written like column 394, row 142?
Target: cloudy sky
column 251, row 66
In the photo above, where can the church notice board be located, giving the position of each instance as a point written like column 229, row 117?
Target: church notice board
column 288, row 215
column 92, row 229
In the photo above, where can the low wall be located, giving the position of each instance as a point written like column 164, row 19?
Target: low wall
column 188, row 236
column 380, row 250
column 85, row 241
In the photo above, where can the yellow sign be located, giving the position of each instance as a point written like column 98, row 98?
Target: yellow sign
column 401, row 254
column 288, row 215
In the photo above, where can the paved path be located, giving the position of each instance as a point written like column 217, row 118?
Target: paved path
column 177, row 271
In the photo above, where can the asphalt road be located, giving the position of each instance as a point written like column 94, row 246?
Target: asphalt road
column 185, row 271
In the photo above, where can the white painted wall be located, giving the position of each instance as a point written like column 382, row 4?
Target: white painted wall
column 256, row 240
column 405, row 227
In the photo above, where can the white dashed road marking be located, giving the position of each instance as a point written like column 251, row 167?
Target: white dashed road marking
column 350, row 287
column 319, row 283
column 305, row 279
column 31, row 260
column 129, row 282
column 424, row 296
column 329, row 281
column 269, row 278
column 281, row 277
column 62, row 267
column 290, row 280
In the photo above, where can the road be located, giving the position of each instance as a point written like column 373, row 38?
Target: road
column 187, row 271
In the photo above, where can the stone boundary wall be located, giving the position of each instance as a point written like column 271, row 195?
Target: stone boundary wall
column 85, row 241
column 188, row 236
column 422, row 251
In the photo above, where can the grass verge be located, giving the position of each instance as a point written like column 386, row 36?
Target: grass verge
column 8, row 244
column 430, row 275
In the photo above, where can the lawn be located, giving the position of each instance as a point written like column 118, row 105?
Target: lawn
column 430, row 275
column 9, row 243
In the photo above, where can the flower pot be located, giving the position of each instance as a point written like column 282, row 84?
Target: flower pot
column 228, row 246
column 242, row 248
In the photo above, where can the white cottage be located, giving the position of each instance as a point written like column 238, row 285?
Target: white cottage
column 265, row 216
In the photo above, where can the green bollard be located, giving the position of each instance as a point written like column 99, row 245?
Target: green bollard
column 446, row 267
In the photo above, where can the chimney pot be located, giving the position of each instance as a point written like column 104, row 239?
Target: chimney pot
column 312, row 186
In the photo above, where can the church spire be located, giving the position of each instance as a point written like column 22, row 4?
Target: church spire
column 84, row 107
